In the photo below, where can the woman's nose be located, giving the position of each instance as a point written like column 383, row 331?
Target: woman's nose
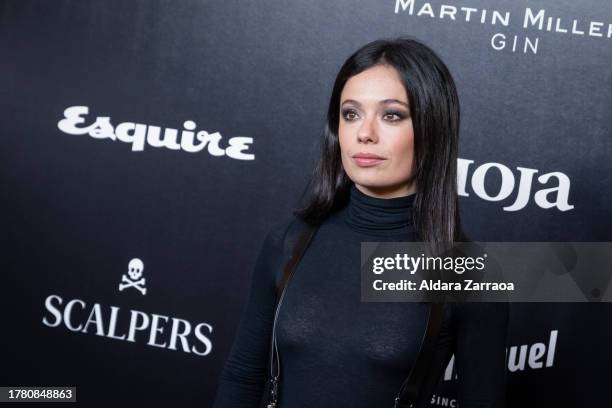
column 367, row 131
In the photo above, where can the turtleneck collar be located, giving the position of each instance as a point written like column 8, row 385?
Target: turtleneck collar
column 375, row 215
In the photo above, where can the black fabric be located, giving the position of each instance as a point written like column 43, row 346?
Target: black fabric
column 336, row 351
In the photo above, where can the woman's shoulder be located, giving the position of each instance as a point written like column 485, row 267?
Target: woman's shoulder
column 281, row 234
column 282, row 227
column 277, row 245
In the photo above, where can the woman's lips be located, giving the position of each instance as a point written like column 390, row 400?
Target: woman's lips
column 367, row 160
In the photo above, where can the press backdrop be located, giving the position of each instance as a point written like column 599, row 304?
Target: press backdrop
column 162, row 139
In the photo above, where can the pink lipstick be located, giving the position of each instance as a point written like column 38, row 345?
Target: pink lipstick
column 367, row 159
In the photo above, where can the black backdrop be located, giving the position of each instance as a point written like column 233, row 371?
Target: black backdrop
column 77, row 208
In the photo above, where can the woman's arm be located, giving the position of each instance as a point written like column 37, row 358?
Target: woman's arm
column 480, row 353
column 243, row 378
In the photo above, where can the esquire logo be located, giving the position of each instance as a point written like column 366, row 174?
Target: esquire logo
column 151, row 329
column 138, row 135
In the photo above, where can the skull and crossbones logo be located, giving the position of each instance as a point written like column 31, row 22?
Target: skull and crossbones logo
column 134, row 278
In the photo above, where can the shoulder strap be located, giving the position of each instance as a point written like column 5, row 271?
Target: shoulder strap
column 299, row 242
column 298, row 238
column 408, row 395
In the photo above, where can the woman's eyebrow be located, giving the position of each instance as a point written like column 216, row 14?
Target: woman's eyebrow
column 386, row 101
column 383, row 102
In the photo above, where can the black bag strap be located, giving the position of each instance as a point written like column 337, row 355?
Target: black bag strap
column 303, row 240
column 408, row 395
column 299, row 246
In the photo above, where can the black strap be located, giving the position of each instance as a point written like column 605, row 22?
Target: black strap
column 408, row 396
column 298, row 251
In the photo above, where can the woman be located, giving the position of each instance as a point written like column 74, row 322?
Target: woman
column 387, row 172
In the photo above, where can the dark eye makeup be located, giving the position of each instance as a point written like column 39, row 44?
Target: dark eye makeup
column 349, row 114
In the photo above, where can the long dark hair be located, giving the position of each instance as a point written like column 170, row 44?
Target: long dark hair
column 434, row 107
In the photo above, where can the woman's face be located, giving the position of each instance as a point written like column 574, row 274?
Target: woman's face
column 375, row 120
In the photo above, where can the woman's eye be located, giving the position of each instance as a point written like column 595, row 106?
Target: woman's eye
column 389, row 116
column 349, row 115
column 394, row 116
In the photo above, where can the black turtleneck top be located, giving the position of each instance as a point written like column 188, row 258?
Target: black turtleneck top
column 336, row 351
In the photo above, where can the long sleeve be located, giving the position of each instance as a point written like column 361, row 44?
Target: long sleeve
column 480, row 353
column 243, row 378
